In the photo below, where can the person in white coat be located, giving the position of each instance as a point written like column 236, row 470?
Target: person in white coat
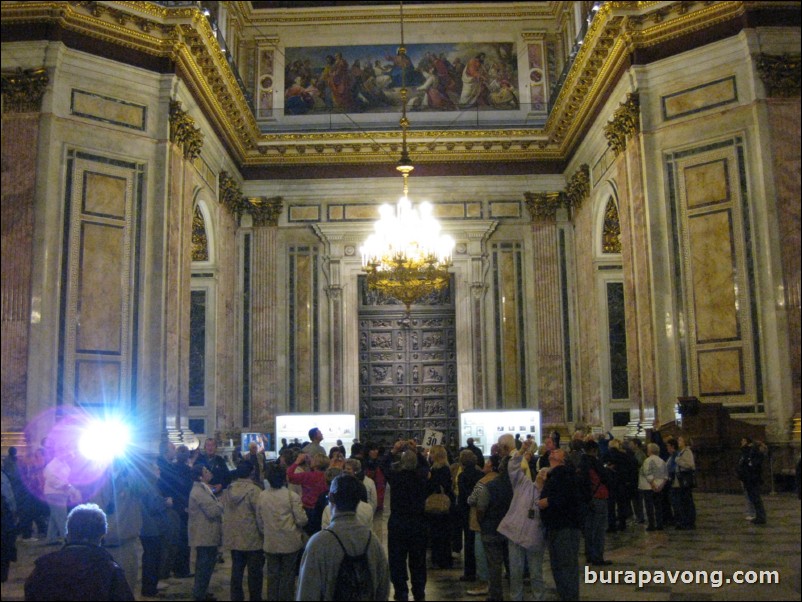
column 205, row 530
column 652, row 478
column 281, row 517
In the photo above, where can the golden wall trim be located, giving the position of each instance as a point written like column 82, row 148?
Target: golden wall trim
column 183, row 131
column 781, row 74
column 23, row 90
column 230, row 195
column 265, row 211
column 542, row 206
column 624, row 124
column 578, row 187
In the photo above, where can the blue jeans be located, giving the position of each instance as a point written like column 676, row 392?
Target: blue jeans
column 518, row 555
column 205, row 561
column 564, row 556
column 594, row 530
column 481, row 559
column 494, row 552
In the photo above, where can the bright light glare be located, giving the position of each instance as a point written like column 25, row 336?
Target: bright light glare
column 104, row 440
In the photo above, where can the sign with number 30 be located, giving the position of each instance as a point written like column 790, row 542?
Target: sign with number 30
column 432, row 437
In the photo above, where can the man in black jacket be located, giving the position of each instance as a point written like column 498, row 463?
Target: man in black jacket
column 406, row 527
column 559, row 504
column 750, row 471
column 81, row 570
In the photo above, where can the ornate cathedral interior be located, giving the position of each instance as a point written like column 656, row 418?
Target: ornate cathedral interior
column 187, row 186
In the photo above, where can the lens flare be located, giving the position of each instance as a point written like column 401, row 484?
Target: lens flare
column 104, row 440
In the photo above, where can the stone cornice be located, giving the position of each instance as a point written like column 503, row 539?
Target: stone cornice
column 23, row 90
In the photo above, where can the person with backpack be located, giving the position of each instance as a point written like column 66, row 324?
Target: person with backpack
column 345, row 561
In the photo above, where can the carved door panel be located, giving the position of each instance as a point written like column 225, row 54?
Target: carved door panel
column 407, row 367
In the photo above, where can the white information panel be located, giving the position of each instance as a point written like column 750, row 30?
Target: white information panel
column 486, row 426
column 333, row 427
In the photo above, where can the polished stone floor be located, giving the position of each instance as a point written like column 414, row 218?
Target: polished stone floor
column 723, row 542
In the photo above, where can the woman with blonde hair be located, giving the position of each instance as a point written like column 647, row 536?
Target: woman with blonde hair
column 440, row 524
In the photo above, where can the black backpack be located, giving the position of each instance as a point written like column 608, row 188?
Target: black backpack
column 354, row 581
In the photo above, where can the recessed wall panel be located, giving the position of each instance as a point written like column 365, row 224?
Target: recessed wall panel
column 100, row 292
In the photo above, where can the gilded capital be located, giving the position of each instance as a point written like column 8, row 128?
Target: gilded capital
column 780, row 74
column 624, row 124
column 230, row 195
column 543, row 205
column 578, row 187
column 23, row 90
column 183, row 131
column 264, row 211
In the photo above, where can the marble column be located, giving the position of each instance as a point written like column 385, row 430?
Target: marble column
column 785, row 156
column 548, row 325
column 22, row 98
column 264, row 327
column 635, row 256
column 186, row 143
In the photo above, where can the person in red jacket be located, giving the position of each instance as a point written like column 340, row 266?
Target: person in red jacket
column 312, row 481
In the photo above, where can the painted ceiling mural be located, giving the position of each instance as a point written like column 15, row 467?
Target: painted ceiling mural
column 368, row 79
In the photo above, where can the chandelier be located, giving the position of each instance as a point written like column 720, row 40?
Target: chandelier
column 406, row 257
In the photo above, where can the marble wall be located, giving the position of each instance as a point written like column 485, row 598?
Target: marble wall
column 784, row 122
column 20, row 131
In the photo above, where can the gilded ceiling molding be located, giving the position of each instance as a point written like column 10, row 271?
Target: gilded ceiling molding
column 184, row 35
column 181, row 34
column 624, row 124
column 23, row 90
column 542, row 206
column 230, row 195
column 780, row 74
column 578, row 187
column 265, row 211
column 183, row 131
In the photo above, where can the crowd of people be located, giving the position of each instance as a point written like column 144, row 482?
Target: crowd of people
column 295, row 522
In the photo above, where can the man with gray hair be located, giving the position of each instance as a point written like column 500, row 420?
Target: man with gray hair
column 82, row 569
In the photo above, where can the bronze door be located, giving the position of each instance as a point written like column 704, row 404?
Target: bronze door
column 407, row 367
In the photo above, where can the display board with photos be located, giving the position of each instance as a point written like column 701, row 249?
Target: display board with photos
column 333, row 427
column 486, row 426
